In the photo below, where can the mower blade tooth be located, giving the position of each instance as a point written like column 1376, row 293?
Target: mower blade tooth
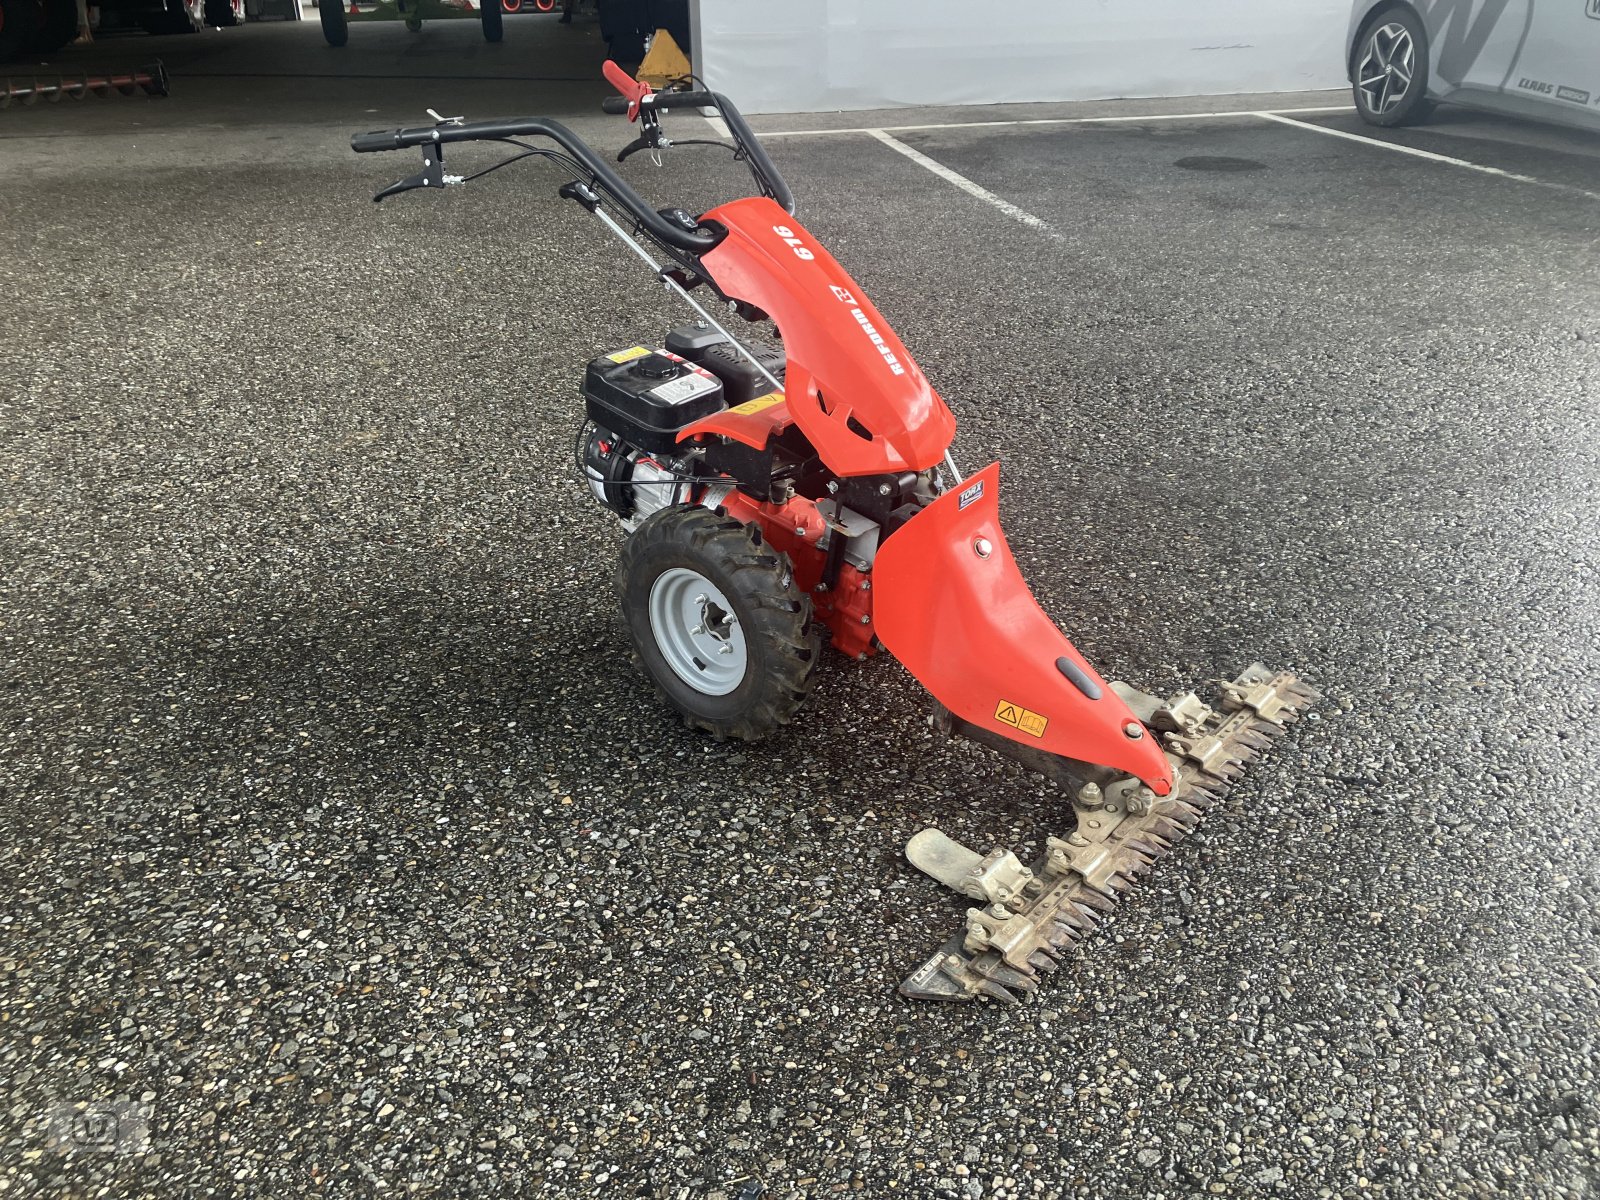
column 1172, row 829
column 995, row 992
column 1047, row 946
column 1093, row 899
column 1071, row 917
column 1042, row 960
column 1013, row 981
column 1081, row 920
column 1088, row 913
column 1061, row 937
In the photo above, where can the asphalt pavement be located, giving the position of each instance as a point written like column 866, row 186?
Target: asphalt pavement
column 347, row 853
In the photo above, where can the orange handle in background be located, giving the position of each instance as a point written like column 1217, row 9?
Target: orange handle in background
column 632, row 89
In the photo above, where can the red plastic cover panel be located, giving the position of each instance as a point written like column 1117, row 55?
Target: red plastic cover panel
column 851, row 386
column 949, row 603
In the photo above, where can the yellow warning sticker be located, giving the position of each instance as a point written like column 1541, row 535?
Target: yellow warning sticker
column 622, row 356
column 750, row 407
column 1021, row 718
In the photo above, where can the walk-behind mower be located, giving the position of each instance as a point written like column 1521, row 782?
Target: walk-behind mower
column 777, row 497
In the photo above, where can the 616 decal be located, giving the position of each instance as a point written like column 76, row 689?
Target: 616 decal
column 795, row 244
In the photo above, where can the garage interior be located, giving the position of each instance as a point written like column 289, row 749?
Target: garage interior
column 349, row 853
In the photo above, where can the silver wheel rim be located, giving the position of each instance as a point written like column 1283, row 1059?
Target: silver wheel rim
column 1383, row 76
column 696, row 631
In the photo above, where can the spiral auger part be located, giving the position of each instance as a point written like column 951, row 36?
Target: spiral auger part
column 151, row 80
column 1030, row 917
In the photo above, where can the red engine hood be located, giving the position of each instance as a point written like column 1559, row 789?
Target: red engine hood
column 851, row 386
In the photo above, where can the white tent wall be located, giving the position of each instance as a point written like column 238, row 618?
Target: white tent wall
column 819, row 55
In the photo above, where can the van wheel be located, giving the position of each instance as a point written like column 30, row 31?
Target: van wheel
column 335, row 26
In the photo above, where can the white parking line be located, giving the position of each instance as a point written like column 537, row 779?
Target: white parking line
column 1282, row 116
column 1429, row 155
column 965, row 184
column 1199, row 116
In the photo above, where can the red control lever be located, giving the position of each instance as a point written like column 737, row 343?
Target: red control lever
column 633, row 90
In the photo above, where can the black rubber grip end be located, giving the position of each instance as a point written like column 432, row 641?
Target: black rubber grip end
column 378, row 139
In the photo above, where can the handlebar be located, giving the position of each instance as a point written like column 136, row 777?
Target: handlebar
column 696, row 241
column 662, row 228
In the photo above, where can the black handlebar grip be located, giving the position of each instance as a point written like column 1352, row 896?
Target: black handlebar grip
column 378, row 139
column 615, row 105
column 663, row 101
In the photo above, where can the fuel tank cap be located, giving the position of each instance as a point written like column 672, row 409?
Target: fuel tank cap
column 657, row 366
